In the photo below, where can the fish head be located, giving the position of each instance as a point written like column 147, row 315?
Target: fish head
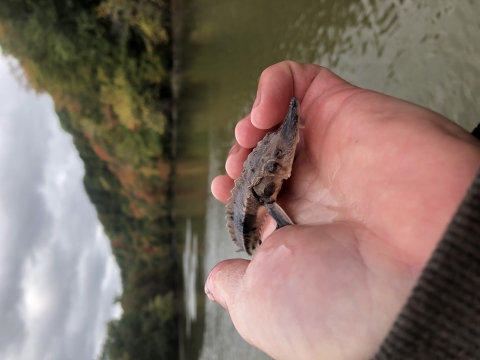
column 278, row 149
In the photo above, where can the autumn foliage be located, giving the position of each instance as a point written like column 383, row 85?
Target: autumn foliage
column 106, row 64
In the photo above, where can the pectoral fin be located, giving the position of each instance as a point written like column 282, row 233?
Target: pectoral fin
column 279, row 215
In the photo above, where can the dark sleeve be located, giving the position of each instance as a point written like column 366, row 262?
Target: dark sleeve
column 441, row 319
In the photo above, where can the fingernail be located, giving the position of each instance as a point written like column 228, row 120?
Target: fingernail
column 257, row 100
column 208, row 293
column 234, row 149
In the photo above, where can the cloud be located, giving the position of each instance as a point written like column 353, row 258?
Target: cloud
column 21, row 156
column 58, row 277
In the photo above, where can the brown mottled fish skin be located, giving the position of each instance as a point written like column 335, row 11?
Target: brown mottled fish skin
column 267, row 166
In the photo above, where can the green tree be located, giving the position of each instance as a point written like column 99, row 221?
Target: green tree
column 106, row 65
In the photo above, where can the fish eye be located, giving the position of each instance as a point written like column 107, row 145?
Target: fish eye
column 277, row 153
column 272, row 166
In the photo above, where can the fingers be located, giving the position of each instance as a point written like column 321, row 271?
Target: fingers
column 280, row 82
column 234, row 163
column 224, row 281
column 221, row 187
column 248, row 135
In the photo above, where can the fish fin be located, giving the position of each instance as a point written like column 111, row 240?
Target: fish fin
column 279, row 215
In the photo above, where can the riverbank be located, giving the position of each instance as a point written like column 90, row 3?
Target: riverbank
column 108, row 67
column 175, row 81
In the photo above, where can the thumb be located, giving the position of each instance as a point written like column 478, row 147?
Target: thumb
column 224, row 281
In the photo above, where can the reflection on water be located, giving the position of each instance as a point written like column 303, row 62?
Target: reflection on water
column 190, row 265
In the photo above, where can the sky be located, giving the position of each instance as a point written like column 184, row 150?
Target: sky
column 58, row 277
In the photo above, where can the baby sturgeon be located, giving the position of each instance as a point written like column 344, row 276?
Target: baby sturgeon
column 255, row 192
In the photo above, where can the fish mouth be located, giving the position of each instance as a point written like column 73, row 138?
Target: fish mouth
column 289, row 128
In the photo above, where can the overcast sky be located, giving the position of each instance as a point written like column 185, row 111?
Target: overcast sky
column 58, row 278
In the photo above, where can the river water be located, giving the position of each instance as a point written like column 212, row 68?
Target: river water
column 425, row 53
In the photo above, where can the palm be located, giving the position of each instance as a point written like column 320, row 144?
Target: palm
column 356, row 291
column 313, row 279
column 365, row 194
column 374, row 172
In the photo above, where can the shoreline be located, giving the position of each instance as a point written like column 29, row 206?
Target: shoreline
column 176, row 19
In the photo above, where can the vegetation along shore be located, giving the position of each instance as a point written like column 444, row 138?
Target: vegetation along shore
column 108, row 66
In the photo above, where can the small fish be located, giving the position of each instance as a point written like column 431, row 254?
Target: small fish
column 255, row 191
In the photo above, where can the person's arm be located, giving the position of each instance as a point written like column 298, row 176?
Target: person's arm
column 441, row 319
column 375, row 184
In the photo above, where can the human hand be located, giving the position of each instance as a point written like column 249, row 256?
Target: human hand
column 375, row 182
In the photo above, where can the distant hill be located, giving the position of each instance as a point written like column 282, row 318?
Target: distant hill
column 107, row 66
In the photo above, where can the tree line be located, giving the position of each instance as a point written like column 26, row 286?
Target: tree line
column 107, row 66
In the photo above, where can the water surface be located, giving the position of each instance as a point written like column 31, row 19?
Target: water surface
column 424, row 53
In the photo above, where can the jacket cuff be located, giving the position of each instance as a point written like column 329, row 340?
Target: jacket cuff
column 441, row 319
